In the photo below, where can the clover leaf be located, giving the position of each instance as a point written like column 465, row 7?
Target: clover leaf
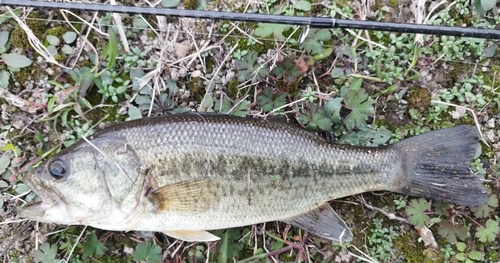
column 269, row 101
column 451, row 232
column 484, row 210
column 361, row 107
column 488, row 232
column 247, row 67
column 416, row 212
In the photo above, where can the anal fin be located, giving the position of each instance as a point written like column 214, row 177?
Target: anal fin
column 192, row 235
column 323, row 222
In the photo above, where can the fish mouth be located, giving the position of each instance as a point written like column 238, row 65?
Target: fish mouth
column 49, row 199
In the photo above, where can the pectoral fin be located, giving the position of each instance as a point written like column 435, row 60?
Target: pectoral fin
column 190, row 196
column 192, row 236
column 323, row 222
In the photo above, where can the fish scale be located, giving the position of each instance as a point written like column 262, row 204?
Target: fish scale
column 183, row 174
column 306, row 169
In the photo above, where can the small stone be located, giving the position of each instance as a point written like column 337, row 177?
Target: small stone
column 196, row 74
column 490, row 123
column 181, row 50
column 128, row 250
column 490, row 135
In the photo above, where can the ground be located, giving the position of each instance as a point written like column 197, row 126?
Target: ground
column 359, row 87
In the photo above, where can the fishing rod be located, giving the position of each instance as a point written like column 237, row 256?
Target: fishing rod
column 314, row 22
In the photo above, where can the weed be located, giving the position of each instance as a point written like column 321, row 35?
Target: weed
column 381, row 240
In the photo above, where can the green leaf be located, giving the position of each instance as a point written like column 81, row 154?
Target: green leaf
column 315, row 118
column 475, row 255
column 16, row 60
column 451, row 232
column 229, row 247
column 111, row 49
column 86, row 80
column 265, row 29
column 416, row 212
column 52, row 50
column 287, row 70
column 172, row 86
column 223, row 105
column 461, row 256
column 69, row 37
column 92, row 247
column 332, row 109
column 4, row 37
column 491, row 50
column 140, row 23
column 269, row 101
column 479, row 8
column 488, row 232
column 461, row 246
column 241, row 109
column 303, row 5
column 312, row 43
column 134, row 113
column 487, row 4
column 4, row 162
column 207, row 105
column 147, row 251
column 361, row 107
column 53, row 40
column 247, row 68
column 324, row 54
column 46, row 253
column 8, row 15
column 67, row 50
column 170, row 3
column 4, row 79
column 485, row 210
column 135, row 75
column 356, row 84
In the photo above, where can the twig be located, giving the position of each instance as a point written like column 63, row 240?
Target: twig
column 391, row 216
column 76, row 243
column 284, row 106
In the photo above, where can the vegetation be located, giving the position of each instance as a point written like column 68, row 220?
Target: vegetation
column 360, row 88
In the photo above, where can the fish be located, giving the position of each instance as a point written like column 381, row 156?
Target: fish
column 187, row 174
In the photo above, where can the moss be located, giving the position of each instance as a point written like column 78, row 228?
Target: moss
column 190, row 4
column 232, row 89
column 57, row 31
column 492, row 255
column 418, row 98
column 18, row 37
column 197, row 88
column 33, row 72
column 393, row 3
column 457, row 72
column 414, row 251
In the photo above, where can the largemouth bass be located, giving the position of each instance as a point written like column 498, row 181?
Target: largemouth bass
column 185, row 174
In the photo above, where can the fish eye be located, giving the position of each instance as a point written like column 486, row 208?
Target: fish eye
column 58, row 169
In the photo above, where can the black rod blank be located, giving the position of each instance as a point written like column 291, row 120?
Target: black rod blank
column 316, row 22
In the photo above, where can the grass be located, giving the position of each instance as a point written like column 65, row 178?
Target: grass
column 364, row 88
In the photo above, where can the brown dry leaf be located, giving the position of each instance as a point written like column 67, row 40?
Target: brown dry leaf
column 63, row 94
column 302, row 64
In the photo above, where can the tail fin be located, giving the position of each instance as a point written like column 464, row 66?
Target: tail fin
column 437, row 165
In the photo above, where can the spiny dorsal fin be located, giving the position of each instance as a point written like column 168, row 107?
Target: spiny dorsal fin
column 190, row 196
column 323, row 222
